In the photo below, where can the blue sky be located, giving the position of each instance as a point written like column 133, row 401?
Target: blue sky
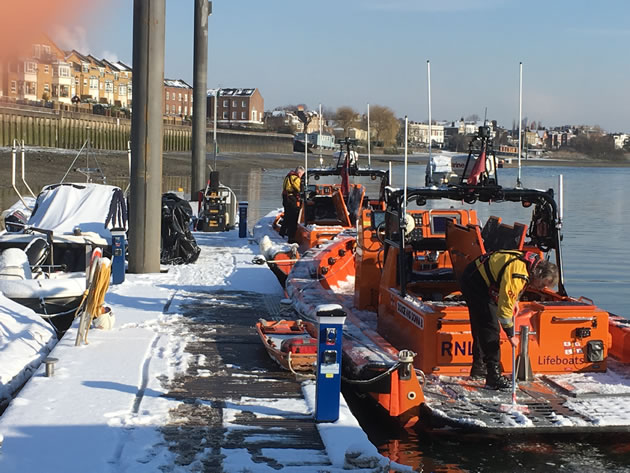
column 576, row 66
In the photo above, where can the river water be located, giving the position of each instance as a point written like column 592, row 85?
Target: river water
column 596, row 252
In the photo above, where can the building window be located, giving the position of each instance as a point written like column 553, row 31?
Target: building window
column 254, row 115
column 233, row 115
column 37, row 51
column 109, row 86
column 46, row 69
column 115, row 75
column 64, row 71
column 186, row 110
column 13, row 87
column 122, row 90
column 244, row 104
column 93, row 83
column 167, row 109
column 100, row 85
column 234, row 103
column 46, row 49
column 46, row 88
column 225, row 115
column 226, row 103
column 243, row 115
column 85, row 68
column 180, row 97
column 64, row 91
column 30, row 67
column 185, row 97
column 179, row 110
column 167, row 95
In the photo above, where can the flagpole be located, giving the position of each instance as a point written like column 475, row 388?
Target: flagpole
column 368, row 120
column 305, row 156
column 405, row 178
column 520, row 121
column 321, row 160
column 429, row 93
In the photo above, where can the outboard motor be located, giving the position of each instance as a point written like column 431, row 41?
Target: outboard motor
column 15, row 221
column 37, row 252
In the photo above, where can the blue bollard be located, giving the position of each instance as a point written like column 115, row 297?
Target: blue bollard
column 118, row 255
column 242, row 219
column 330, row 319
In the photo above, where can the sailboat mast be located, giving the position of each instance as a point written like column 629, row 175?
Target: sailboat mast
column 368, row 137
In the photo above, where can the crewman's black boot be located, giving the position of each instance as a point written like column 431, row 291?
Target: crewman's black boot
column 494, row 380
column 478, row 370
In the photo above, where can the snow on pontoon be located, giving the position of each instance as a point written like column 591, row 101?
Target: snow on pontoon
column 407, row 340
column 333, row 198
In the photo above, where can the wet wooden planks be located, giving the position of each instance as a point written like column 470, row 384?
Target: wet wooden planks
column 232, row 378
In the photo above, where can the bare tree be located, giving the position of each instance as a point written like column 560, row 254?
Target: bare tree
column 384, row 123
column 345, row 118
column 473, row 118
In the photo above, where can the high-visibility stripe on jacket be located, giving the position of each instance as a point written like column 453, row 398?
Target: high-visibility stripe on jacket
column 291, row 184
column 514, row 275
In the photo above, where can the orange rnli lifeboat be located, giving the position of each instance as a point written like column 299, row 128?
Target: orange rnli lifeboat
column 331, row 202
column 408, row 341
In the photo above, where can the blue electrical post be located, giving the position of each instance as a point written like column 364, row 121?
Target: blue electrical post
column 330, row 320
column 242, row 219
column 119, row 246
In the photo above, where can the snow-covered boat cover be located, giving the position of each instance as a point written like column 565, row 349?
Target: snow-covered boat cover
column 91, row 207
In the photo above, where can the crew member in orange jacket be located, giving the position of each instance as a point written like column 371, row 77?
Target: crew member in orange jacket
column 492, row 286
column 290, row 200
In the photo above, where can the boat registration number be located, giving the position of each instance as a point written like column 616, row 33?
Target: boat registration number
column 410, row 315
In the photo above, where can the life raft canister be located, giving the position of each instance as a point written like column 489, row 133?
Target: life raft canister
column 299, row 345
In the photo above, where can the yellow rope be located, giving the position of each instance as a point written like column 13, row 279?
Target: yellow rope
column 96, row 296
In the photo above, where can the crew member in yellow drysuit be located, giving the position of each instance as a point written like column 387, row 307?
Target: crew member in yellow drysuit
column 492, row 286
column 291, row 187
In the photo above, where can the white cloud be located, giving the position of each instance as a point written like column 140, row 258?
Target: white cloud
column 71, row 37
column 110, row 56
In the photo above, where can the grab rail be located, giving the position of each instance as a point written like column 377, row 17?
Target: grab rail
column 13, row 158
column 573, row 319
column 23, row 178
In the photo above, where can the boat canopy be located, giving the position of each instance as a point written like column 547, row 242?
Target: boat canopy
column 91, row 207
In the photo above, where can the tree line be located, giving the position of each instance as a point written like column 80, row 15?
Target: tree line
column 384, row 125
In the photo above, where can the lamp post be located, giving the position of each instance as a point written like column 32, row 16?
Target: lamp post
column 214, row 129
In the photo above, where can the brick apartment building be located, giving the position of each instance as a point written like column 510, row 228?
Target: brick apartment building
column 35, row 72
column 42, row 71
column 100, row 80
column 237, row 106
column 178, row 98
